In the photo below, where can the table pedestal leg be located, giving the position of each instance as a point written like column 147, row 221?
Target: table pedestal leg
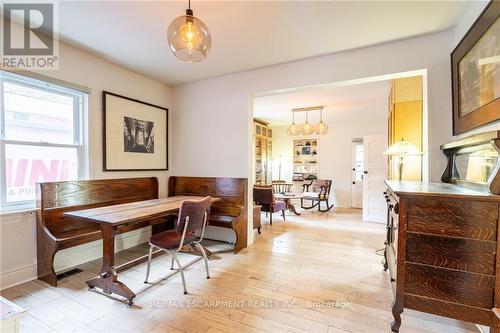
column 108, row 279
column 291, row 207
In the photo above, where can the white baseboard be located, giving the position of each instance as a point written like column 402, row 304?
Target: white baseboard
column 221, row 234
column 80, row 254
column 68, row 258
column 17, row 276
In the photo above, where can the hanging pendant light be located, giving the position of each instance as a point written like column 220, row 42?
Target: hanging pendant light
column 293, row 129
column 322, row 127
column 307, row 129
column 188, row 37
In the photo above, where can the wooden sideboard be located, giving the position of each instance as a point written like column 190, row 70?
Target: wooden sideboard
column 441, row 251
column 443, row 240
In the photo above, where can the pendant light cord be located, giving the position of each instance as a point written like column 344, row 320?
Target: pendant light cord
column 189, row 12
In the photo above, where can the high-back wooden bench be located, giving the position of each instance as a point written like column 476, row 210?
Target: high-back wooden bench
column 56, row 231
column 230, row 212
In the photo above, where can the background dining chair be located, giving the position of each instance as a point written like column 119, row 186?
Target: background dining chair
column 281, row 187
column 317, row 191
column 193, row 217
column 263, row 196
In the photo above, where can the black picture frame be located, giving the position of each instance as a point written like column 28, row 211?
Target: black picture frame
column 105, row 136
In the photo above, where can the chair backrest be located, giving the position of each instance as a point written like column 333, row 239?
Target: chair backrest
column 282, row 188
column 263, row 195
column 278, row 182
column 197, row 211
column 317, row 184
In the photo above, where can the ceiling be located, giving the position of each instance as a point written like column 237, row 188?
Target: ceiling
column 245, row 34
column 275, row 109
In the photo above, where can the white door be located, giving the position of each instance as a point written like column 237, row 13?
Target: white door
column 357, row 175
column 375, row 165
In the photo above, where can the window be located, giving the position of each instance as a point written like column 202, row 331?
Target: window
column 358, row 160
column 42, row 137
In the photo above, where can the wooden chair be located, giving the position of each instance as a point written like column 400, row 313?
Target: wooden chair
column 281, row 187
column 317, row 191
column 263, row 196
column 193, row 217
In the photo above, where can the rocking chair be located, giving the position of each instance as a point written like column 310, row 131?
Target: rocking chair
column 320, row 192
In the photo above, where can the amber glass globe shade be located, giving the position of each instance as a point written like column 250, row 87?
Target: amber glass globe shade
column 189, row 38
column 293, row 130
column 321, row 128
column 307, row 129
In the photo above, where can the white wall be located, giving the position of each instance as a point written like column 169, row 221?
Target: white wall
column 218, row 109
column 469, row 17
column 335, row 148
column 17, row 231
column 334, row 151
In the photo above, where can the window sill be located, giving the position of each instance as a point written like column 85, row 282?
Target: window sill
column 20, row 211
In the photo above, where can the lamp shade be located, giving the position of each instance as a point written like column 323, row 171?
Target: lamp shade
column 321, row 128
column 402, row 148
column 293, row 130
column 307, row 129
column 189, row 38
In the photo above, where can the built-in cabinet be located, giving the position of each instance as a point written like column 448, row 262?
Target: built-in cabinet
column 263, row 153
column 405, row 122
column 305, row 158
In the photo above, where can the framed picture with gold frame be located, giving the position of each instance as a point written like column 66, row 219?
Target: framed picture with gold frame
column 475, row 72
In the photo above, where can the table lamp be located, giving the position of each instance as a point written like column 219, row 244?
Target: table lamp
column 402, row 149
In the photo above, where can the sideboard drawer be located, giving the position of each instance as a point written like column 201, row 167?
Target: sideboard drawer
column 450, row 285
column 468, row 255
column 453, row 217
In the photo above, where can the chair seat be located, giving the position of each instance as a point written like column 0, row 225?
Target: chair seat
column 311, row 195
column 279, row 206
column 170, row 239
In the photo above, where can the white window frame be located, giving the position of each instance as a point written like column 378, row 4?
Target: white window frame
column 80, row 121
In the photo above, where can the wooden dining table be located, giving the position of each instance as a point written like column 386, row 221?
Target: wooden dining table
column 110, row 218
column 287, row 198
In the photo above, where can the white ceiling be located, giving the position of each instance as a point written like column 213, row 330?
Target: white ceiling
column 276, row 109
column 246, row 34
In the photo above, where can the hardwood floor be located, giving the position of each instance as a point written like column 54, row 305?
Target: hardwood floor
column 313, row 273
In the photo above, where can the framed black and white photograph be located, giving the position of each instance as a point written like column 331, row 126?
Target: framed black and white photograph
column 135, row 134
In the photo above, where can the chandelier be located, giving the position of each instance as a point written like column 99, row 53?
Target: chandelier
column 307, row 128
column 188, row 37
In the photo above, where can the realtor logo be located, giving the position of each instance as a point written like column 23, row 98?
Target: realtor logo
column 29, row 36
